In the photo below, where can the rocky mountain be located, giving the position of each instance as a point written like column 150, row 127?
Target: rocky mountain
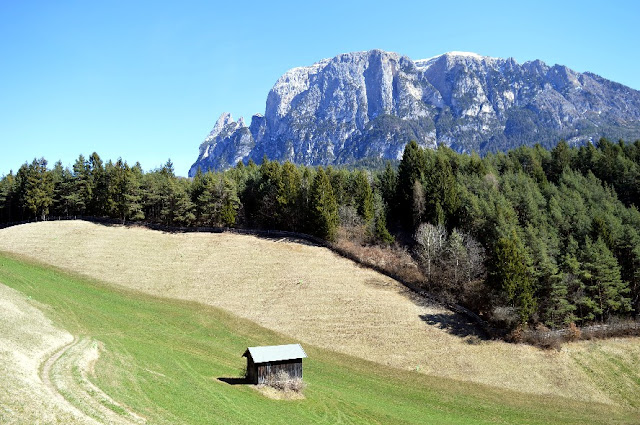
column 370, row 104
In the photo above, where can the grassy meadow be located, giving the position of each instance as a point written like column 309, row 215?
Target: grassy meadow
column 162, row 358
column 313, row 296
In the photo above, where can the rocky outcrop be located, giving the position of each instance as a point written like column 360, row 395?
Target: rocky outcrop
column 370, row 104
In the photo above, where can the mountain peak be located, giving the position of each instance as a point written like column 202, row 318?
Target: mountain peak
column 224, row 119
column 370, row 104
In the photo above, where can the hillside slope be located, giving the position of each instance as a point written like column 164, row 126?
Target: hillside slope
column 161, row 361
column 27, row 338
column 368, row 105
column 310, row 294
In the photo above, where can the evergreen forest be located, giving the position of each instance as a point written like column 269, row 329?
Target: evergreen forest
column 527, row 237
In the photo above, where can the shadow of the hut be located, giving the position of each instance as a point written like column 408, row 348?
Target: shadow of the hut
column 234, row 381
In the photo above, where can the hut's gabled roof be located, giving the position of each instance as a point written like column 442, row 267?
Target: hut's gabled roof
column 274, row 353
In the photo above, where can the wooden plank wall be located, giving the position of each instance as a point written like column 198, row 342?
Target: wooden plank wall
column 292, row 367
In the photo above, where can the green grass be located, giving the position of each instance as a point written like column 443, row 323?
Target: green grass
column 162, row 359
column 617, row 374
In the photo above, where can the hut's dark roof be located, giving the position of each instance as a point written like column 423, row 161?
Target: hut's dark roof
column 274, row 353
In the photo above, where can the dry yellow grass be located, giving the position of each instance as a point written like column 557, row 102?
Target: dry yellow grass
column 308, row 293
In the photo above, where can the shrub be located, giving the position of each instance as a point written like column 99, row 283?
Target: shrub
column 283, row 382
column 574, row 332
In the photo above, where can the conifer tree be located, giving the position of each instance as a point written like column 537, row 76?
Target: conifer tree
column 560, row 160
column 197, row 189
column 124, row 191
column 363, row 196
column 442, row 191
column 603, row 284
column 387, row 183
column 411, row 170
column 324, row 208
column 37, row 188
column 288, row 197
column 560, row 311
column 100, row 203
column 230, row 202
column 8, row 190
column 81, row 190
column 380, row 232
column 510, row 276
column 270, row 216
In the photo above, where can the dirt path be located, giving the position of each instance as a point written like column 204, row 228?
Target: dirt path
column 45, row 371
column 45, row 375
column 66, row 374
column 27, row 340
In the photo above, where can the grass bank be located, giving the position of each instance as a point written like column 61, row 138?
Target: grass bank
column 309, row 294
column 162, row 359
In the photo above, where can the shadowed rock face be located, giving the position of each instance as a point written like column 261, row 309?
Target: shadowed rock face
column 370, row 104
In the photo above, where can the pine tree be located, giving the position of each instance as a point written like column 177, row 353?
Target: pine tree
column 324, row 208
column 7, row 194
column 603, row 284
column 560, row 311
column 363, row 196
column 230, row 202
column 124, row 191
column 37, row 188
column 82, row 190
column 208, row 201
column 510, row 277
column 270, row 216
column 411, row 170
column 442, row 192
column 628, row 254
column 387, row 183
column 59, row 175
column 99, row 183
column 288, row 197
column 380, row 232
column 197, row 189
column 560, row 160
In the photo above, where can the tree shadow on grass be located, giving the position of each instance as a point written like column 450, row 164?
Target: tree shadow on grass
column 455, row 324
column 234, row 381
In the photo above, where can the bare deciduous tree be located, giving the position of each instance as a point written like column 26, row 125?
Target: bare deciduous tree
column 431, row 241
column 475, row 258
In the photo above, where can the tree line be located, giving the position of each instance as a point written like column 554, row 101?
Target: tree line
column 524, row 237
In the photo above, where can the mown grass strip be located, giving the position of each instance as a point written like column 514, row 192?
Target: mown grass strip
column 162, row 358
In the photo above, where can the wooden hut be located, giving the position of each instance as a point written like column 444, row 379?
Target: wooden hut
column 264, row 363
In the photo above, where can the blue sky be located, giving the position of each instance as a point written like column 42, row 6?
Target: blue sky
column 146, row 81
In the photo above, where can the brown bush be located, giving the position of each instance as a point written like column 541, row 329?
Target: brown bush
column 516, row 335
column 574, row 333
column 283, row 382
column 393, row 261
column 543, row 338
